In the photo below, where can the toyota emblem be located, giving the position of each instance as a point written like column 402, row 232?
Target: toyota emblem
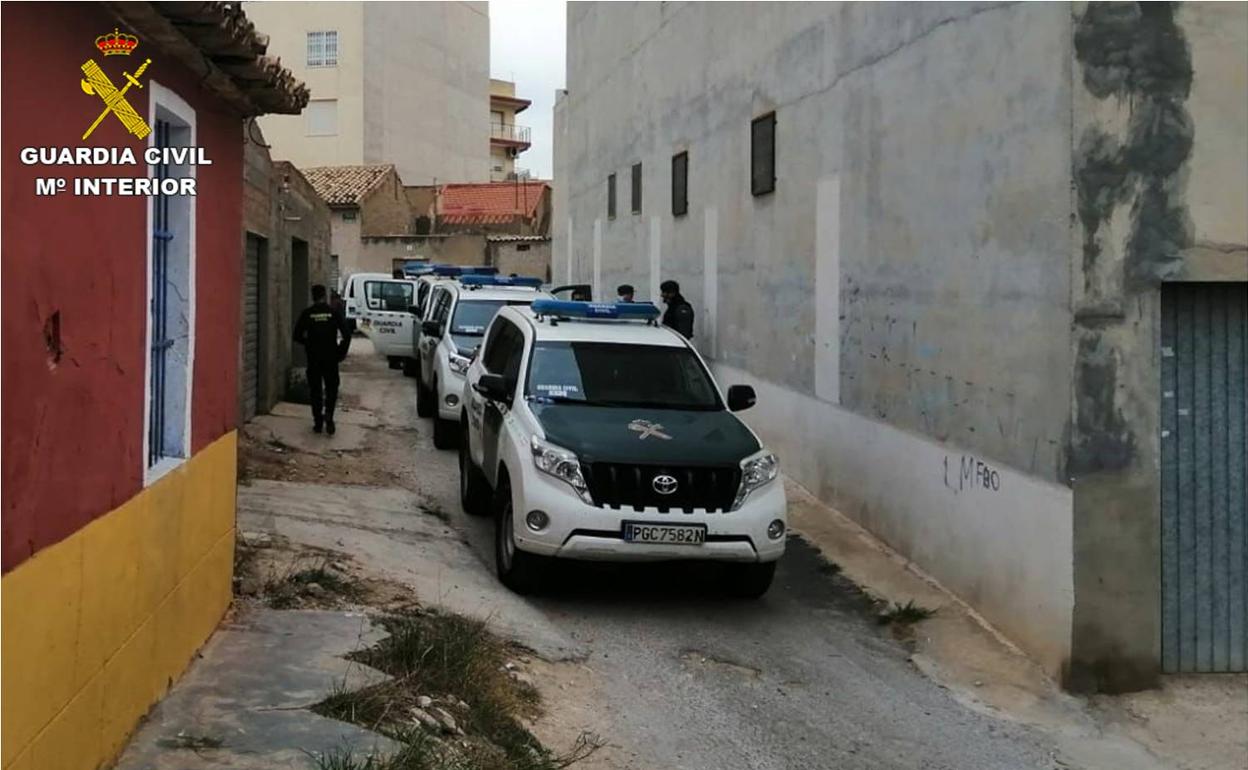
column 664, row 484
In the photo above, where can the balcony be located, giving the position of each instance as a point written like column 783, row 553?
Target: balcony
column 509, row 135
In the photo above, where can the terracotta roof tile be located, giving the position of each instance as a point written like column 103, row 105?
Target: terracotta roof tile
column 490, row 202
column 346, row 185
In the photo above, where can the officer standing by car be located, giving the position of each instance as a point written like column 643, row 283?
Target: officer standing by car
column 318, row 330
column 679, row 313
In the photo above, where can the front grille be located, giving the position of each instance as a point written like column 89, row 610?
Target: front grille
column 618, row 485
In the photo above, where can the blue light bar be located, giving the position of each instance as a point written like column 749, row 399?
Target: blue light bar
column 640, row 311
column 450, row 271
column 501, row 280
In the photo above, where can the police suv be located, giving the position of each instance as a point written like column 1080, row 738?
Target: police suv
column 427, row 276
column 591, row 432
column 459, row 312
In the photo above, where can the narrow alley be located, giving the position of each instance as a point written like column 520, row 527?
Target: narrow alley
column 655, row 663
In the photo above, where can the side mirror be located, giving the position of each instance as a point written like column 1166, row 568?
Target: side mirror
column 494, row 387
column 741, row 397
column 431, row 328
column 413, row 309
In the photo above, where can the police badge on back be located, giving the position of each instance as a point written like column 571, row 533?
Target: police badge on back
column 170, row 160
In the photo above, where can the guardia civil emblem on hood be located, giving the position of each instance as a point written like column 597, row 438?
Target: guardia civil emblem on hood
column 646, row 429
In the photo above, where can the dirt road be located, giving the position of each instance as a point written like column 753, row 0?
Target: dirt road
column 671, row 674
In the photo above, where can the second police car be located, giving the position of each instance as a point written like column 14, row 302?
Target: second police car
column 591, row 432
column 455, row 321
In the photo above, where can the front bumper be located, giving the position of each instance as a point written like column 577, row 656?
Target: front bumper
column 578, row 530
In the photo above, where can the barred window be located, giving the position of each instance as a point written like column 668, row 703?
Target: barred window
column 763, row 154
column 323, row 49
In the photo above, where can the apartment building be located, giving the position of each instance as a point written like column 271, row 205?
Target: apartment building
column 986, row 266
column 507, row 140
column 398, row 83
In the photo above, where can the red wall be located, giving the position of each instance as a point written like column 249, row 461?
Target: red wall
column 73, row 430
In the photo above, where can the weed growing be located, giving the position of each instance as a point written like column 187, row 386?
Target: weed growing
column 904, row 614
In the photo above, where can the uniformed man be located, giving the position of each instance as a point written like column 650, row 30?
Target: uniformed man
column 679, row 313
column 625, row 293
column 318, row 329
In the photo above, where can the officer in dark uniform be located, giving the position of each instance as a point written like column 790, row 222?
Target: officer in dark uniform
column 679, row 313
column 318, row 330
column 625, row 292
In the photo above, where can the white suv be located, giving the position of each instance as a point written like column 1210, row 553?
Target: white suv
column 459, row 312
column 590, row 432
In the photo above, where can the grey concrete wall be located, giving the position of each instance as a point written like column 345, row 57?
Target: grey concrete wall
column 908, row 282
column 1160, row 152
column 426, row 90
column 280, row 205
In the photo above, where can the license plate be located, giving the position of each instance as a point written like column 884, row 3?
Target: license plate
column 664, row 534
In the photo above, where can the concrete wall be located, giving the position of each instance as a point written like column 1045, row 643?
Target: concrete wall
column 412, row 85
column 279, row 205
column 902, row 298
column 528, row 258
column 1160, row 152
column 386, row 210
column 382, row 254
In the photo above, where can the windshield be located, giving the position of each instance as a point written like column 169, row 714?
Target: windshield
column 473, row 315
column 613, row 374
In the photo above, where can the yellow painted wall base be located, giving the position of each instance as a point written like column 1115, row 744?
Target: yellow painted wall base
column 98, row 626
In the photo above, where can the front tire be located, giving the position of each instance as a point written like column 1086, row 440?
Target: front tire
column 425, row 405
column 520, row 571
column 750, row 581
column 474, row 490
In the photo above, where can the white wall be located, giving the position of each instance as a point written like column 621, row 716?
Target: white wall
column 412, row 85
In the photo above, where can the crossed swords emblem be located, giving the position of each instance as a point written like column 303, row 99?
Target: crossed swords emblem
column 648, row 429
column 98, row 83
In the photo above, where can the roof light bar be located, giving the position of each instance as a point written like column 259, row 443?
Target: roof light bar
column 501, row 280
column 627, row 311
column 451, row 271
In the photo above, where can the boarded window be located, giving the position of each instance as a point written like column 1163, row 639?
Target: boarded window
column 763, row 154
column 321, row 117
column 611, row 196
column 636, row 188
column 680, row 184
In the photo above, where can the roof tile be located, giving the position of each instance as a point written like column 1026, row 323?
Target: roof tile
column 490, row 202
column 346, row 185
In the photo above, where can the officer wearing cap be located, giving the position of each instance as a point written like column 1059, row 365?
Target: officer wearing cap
column 679, row 313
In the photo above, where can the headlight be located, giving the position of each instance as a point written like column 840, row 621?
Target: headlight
column 757, row 471
column 561, row 464
column 459, row 364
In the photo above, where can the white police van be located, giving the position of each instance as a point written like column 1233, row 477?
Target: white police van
column 459, row 312
column 380, row 305
column 591, row 432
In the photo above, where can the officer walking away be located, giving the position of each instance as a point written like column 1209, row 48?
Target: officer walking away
column 625, row 293
column 318, row 330
column 679, row 313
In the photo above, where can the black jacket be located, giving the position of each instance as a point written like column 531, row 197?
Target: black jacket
column 318, row 329
column 679, row 316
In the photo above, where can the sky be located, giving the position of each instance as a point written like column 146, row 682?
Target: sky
column 527, row 43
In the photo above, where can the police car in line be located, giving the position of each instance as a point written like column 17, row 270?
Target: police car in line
column 426, row 277
column 459, row 312
column 591, row 432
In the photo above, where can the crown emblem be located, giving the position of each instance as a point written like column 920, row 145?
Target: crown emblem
column 116, row 43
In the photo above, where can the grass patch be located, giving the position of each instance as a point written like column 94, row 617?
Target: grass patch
column 302, row 584
column 462, row 666
column 904, row 614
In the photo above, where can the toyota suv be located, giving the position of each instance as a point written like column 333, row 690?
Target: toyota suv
column 459, row 312
column 590, row 432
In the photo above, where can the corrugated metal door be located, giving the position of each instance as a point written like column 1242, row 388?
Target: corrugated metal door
column 1203, row 464
column 251, row 328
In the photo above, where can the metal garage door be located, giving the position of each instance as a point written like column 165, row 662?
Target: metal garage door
column 251, row 328
column 1203, row 464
